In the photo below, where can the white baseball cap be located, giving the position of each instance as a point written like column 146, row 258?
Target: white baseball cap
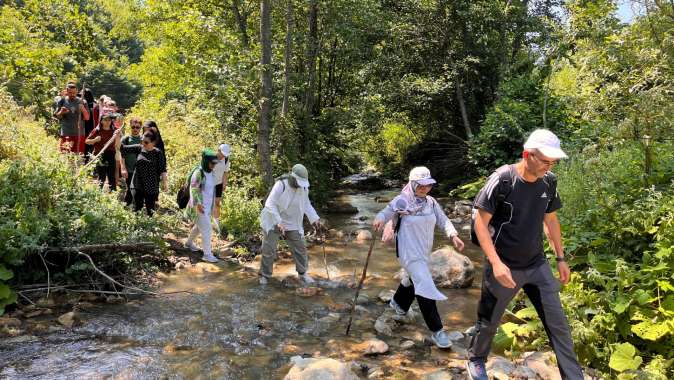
column 225, row 149
column 301, row 174
column 545, row 142
column 421, row 175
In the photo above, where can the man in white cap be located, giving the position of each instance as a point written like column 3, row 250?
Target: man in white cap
column 510, row 212
column 283, row 215
column 220, row 174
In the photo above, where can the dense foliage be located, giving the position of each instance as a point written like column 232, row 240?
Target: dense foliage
column 386, row 84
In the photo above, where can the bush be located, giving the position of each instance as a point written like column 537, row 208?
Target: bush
column 43, row 202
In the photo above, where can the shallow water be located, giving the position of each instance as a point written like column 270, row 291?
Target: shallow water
column 232, row 328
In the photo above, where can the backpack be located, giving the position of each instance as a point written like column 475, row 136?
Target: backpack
column 183, row 196
column 503, row 190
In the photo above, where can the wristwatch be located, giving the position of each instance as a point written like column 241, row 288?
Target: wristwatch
column 560, row 259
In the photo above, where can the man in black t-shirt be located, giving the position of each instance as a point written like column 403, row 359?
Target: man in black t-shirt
column 510, row 212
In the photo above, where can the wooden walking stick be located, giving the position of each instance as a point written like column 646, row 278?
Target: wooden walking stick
column 325, row 259
column 360, row 284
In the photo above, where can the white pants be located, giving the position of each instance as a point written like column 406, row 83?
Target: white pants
column 203, row 225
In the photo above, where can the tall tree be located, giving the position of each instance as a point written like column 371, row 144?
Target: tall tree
column 287, row 56
column 241, row 22
column 312, row 53
column 264, row 125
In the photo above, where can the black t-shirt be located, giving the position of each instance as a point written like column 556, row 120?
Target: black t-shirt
column 149, row 166
column 518, row 223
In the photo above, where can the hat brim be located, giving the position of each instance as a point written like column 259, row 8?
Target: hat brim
column 425, row 181
column 554, row 153
column 301, row 181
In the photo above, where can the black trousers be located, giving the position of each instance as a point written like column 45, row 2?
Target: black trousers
column 106, row 169
column 404, row 297
column 128, row 196
column 149, row 200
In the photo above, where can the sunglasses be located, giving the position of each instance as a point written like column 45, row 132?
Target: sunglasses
column 545, row 162
column 146, row 142
column 135, row 127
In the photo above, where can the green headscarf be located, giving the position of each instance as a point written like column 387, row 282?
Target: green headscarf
column 207, row 156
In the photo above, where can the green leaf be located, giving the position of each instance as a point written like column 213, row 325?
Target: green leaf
column 621, row 305
column 5, row 291
column 624, row 358
column 650, row 331
column 527, row 313
column 5, row 274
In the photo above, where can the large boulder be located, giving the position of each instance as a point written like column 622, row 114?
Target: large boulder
column 372, row 347
column 500, row 368
column 451, row 269
column 319, row 369
column 543, row 363
column 363, row 236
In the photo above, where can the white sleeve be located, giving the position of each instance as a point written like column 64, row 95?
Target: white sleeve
column 271, row 204
column 309, row 210
column 387, row 213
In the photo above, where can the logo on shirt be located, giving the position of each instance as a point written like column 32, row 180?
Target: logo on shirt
column 545, row 195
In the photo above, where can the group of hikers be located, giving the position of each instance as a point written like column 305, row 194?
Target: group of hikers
column 513, row 210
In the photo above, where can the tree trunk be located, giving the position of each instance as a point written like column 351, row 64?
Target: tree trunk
column 241, row 22
column 312, row 53
column 264, row 125
column 464, row 112
column 287, row 57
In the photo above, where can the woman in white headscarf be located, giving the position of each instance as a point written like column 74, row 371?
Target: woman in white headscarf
column 413, row 215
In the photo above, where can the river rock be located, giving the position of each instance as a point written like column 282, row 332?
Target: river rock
column 333, row 233
column 9, row 322
column 203, row 267
column 463, row 208
column 451, row 269
column 337, row 207
column 372, row 347
column 524, row 373
column 543, row 363
column 330, row 318
column 500, row 368
column 385, row 324
column 308, row 291
column 386, row 295
column 319, row 369
column 406, row 345
column 69, row 319
column 363, row 235
column 438, row 375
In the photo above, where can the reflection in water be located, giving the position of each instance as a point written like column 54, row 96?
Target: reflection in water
column 232, row 328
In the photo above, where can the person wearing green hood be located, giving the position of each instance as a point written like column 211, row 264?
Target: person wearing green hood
column 200, row 206
column 283, row 215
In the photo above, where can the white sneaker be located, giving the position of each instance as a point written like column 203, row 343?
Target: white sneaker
column 210, row 258
column 441, row 339
column 191, row 246
column 399, row 310
column 263, row 280
column 307, row 279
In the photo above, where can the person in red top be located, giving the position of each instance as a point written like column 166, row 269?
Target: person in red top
column 99, row 138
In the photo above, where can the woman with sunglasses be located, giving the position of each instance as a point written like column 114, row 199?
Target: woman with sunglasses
column 107, row 164
column 414, row 215
column 200, row 206
column 150, row 170
column 130, row 156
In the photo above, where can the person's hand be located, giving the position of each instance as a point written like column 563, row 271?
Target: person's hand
column 97, row 139
column 503, row 276
column 564, row 272
column 378, row 224
column 125, row 174
column 318, row 225
column 281, row 228
column 458, row 243
column 200, row 208
column 64, row 110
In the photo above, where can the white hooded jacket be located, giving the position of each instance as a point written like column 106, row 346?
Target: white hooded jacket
column 287, row 206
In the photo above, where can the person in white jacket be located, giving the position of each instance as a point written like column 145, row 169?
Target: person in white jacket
column 283, row 215
column 414, row 216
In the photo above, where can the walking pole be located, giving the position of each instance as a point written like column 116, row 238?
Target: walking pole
column 360, row 284
column 325, row 260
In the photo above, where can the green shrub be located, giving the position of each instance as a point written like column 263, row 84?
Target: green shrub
column 239, row 213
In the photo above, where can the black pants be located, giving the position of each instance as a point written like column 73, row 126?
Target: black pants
column 128, row 196
column 542, row 288
column 404, row 297
column 106, row 168
column 150, row 201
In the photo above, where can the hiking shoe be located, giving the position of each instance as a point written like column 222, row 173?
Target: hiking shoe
column 210, row 258
column 399, row 310
column 441, row 339
column 263, row 280
column 476, row 369
column 191, row 246
column 307, row 279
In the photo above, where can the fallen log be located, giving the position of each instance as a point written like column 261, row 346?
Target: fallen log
column 107, row 248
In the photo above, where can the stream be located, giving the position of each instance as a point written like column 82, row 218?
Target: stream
column 230, row 327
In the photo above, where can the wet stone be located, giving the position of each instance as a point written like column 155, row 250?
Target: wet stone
column 500, row 368
column 543, row 364
column 451, row 269
column 10, row 322
column 524, row 373
column 319, row 368
column 308, row 291
column 386, row 295
column 363, row 236
column 372, row 347
column 437, row 375
column 69, row 319
column 406, row 345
